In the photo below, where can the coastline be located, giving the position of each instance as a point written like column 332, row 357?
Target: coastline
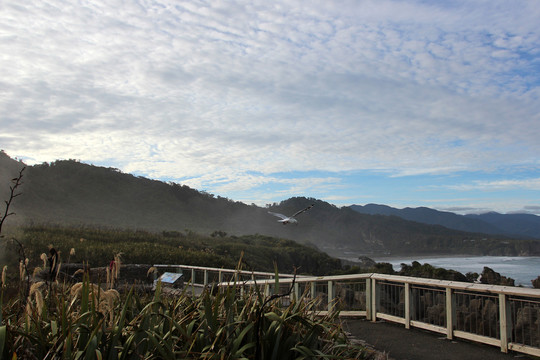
column 523, row 269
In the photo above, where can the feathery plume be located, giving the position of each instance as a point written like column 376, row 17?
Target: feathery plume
column 28, row 312
column 43, row 257
column 110, row 280
column 39, row 302
column 111, row 295
column 152, row 270
column 22, row 273
column 80, row 271
column 76, row 289
column 118, row 263
column 58, row 270
column 4, row 273
column 35, row 287
column 37, row 270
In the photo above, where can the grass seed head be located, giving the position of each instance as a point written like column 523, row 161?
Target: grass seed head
column 39, row 302
column 152, row 270
column 43, row 257
column 80, row 271
column 76, row 289
column 35, row 287
column 110, row 296
column 4, row 274
column 22, row 272
column 37, row 270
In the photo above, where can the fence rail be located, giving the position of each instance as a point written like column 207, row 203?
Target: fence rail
column 504, row 316
column 200, row 276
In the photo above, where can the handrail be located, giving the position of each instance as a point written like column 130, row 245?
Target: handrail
column 458, row 285
column 231, row 271
column 503, row 316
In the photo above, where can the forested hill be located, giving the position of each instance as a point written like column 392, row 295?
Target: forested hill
column 512, row 225
column 73, row 193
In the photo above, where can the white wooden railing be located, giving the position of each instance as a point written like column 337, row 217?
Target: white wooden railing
column 504, row 316
column 200, row 276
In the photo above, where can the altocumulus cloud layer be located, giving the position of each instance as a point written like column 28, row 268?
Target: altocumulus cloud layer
column 260, row 100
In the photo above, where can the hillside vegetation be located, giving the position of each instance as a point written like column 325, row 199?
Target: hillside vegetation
column 73, row 194
column 98, row 246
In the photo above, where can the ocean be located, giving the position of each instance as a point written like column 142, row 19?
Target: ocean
column 522, row 269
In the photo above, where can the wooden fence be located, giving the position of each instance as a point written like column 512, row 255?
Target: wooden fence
column 504, row 316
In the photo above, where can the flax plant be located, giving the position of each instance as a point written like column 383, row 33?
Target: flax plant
column 85, row 321
column 3, row 328
column 113, row 271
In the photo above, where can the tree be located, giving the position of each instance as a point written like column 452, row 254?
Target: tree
column 16, row 182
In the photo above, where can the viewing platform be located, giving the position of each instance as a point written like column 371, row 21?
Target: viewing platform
column 504, row 317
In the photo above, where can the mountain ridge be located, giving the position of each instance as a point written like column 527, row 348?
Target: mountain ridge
column 516, row 225
column 74, row 193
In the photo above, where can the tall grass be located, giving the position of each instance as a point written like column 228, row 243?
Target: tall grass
column 84, row 321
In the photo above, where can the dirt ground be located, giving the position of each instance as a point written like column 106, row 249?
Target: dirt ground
column 416, row 344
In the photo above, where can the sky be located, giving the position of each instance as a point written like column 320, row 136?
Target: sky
column 395, row 102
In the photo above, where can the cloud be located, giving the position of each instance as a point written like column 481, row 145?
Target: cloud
column 528, row 184
column 211, row 93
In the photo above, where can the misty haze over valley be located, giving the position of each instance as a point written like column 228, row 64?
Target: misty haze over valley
column 74, row 193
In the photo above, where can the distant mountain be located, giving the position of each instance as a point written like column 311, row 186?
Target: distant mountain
column 72, row 193
column 515, row 225
column 523, row 225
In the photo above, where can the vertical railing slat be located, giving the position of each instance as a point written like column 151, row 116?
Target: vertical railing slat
column 368, row 298
column 407, row 305
column 504, row 321
column 330, row 294
column 450, row 312
column 374, row 299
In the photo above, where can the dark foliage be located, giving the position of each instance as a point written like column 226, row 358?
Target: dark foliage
column 97, row 246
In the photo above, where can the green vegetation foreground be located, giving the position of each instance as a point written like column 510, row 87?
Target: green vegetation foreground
column 84, row 321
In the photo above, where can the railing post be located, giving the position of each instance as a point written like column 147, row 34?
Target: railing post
column 368, row 298
column 205, row 281
column 407, row 305
column 374, row 299
column 450, row 312
column 192, row 282
column 220, row 276
column 296, row 291
column 313, row 289
column 330, row 294
column 505, row 319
